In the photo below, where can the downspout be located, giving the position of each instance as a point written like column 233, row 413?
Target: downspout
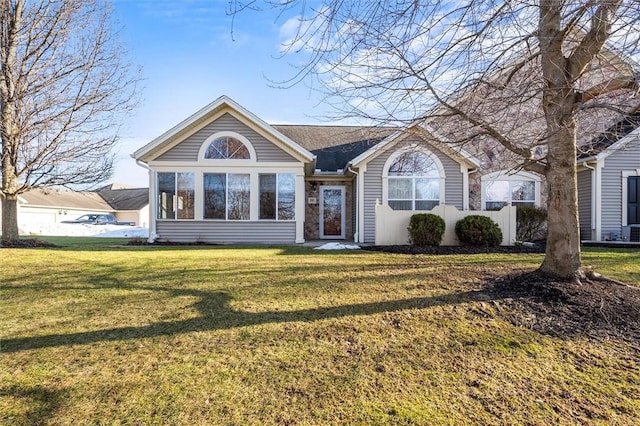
column 152, row 208
column 594, row 202
column 356, row 233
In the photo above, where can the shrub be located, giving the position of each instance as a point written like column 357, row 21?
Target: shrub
column 426, row 229
column 478, row 230
column 531, row 223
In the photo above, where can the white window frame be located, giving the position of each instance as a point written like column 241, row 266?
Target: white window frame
column 175, row 198
column 509, row 176
column 226, row 161
column 277, row 199
column 394, row 157
column 226, row 197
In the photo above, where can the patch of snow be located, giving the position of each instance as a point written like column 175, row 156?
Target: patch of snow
column 337, row 246
column 84, row 230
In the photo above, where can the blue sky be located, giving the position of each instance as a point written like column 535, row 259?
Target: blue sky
column 189, row 57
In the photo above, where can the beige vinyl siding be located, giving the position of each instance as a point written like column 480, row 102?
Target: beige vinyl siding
column 373, row 182
column 220, row 232
column 188, row 149
column 585, row 203
column 627, row 158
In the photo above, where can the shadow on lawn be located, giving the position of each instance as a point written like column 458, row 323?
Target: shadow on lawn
column 216, row 315
column 43, row 403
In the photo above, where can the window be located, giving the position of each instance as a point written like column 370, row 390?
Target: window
column 413, row 182
column 227, row 148
column 277, row 196
column 226, row 196
column 176, row 194
column 500, row 189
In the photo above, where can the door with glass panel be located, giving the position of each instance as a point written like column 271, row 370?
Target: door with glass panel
column 332, row 221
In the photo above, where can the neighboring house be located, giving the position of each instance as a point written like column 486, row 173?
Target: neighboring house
column 128, row 204
column 224, row 175
column 609, row 184
column 53, row 205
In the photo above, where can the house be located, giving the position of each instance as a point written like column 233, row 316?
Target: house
column 609, row 184
column 54, row 205
column 224, row 175
column 128, row 204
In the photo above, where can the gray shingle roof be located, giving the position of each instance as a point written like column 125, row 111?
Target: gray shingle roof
column 64, row 198
column 125, row 198
column 335, row 146
column 612, row 135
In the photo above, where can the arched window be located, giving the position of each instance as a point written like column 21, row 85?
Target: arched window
column 413, row 180
column 227, row 148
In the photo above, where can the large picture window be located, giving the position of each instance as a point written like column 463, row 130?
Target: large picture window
column 277, row 196
column 501, row 189
column 176, row 195
column 227, row 196
column 413, row 182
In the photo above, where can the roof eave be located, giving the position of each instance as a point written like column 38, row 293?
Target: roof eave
column 145, row 153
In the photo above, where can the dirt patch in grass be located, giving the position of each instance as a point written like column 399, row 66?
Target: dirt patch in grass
column 597, row 308
column 25, row 243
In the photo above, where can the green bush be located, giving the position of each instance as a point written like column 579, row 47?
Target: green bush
column 531, row 223
column 478, row 230
column 426, row 229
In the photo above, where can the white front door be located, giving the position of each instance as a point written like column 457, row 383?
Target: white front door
column 332, row 212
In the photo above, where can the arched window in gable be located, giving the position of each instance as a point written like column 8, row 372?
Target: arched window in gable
column 413, row 181
column 227, row 148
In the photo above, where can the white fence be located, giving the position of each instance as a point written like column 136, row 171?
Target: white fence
column 391, row 225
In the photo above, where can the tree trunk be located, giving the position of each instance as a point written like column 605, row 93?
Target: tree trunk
column 10, row 218
column 562, row 258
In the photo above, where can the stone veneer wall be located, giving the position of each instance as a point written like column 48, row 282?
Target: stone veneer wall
column 312, row 211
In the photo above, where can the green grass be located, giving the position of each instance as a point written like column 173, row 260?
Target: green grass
column 93, row 333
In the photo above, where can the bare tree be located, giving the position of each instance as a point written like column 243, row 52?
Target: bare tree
column 63, row 90
column 532, row 80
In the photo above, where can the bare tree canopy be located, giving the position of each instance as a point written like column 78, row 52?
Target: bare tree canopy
column 64, row 90
column 534, row 80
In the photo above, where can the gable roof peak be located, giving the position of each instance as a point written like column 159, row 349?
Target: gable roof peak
column 208, row 112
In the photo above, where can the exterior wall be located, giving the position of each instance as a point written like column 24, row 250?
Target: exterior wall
column 585, row 204
column 626, row 159
column 49, row 215
column 221, row 232
column 188, row 149
column 391, row 225
column 453, row 190
column 312, row 211
column 139, row 217
column 269, row 158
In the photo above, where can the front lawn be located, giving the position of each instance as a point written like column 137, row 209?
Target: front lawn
column 101, row 334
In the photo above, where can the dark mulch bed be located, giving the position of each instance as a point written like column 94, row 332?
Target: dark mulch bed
column 26, row 243
column 408, row 249
column 597, row 308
